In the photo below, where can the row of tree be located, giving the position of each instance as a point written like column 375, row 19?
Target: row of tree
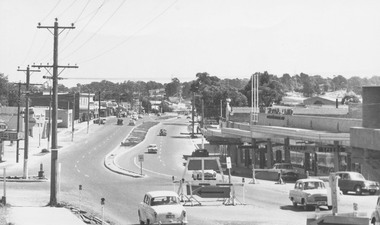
column 212, row 90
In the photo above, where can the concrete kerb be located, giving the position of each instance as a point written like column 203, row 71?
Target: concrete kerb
column 110, row 161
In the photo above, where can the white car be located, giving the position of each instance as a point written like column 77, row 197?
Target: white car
column 310, row 193
column 161, row 207
column 152, row 148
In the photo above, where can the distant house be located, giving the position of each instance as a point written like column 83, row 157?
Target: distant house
column 318, row 100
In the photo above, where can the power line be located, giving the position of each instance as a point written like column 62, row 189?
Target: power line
column 80, row 32
column 51, row 11
column 130, row 37
column 97, row 31
column 64, row 11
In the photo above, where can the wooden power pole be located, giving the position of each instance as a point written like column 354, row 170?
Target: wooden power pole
column 55, row 30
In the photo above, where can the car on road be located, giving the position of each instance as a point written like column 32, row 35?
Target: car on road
column 309, row 193
column 130, row 141
column 288, row 172
column 120, row 121
column 161, row 207
column 354, row 181
column 375, row 217
column 200, row 153
column 152, row 148
column 208, row 175
column 132, row 123
column 102, row 121
column 162, row 132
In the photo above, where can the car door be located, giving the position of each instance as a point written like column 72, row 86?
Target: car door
column 298, row 192
column 145, row 208
column 347, row 182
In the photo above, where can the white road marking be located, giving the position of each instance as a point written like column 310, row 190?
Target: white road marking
column 86, row 175
column 162, row 174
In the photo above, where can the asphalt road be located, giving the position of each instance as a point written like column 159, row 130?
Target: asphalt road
column 82, row 164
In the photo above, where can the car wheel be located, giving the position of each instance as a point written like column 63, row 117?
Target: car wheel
column 147, row 222
column 373, row 221
column 330, row 207
column 344, row 192
column 358, row 189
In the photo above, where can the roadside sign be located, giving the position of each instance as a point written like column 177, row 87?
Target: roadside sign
column 141, row 158
column 228, row 161
column 212, row 191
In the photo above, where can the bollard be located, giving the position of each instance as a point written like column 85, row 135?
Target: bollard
column 80, row 198
column 41, row 172
column 102, row 200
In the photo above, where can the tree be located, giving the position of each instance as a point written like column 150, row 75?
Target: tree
column 339, row 82
column 173, row 88
column 271, row 90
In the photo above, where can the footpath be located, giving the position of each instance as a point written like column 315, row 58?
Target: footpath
column 26, row 208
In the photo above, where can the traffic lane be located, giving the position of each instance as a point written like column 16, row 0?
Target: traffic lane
column 168, row 160
column 172, row 147
column 84, row 166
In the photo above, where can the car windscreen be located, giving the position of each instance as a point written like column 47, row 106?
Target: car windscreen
column 164, row 200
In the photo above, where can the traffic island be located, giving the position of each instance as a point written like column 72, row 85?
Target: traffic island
column 136, row 136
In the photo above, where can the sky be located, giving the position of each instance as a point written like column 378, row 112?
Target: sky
column 157, row 40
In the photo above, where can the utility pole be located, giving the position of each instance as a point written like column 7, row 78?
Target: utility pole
column 26, row 117
column 192, row 116
column 99, row 108
column 55, row 30
column 73, row 120
column 88, row 112
column 18, row 121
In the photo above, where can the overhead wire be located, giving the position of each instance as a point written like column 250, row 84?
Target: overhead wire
column 84, row 27
column 51, row 11
column 64, row 11
column 80, row 14
column 130, row 37
column 30, row 47
column 97, row 31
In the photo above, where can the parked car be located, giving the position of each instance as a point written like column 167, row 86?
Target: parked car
column 287, row 171
column 208, row 174
column 130, row 141
column 375, row 217
column 354, row 181
column 152, row 148
column 309, row 193
column 120, row 121
column 200, row 153
column 161, row 207
column 162, row 132
column 102, row 121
